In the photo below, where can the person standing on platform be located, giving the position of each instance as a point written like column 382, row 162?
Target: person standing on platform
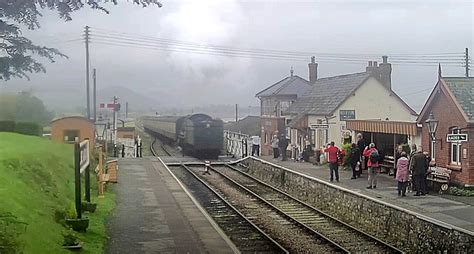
column 283, row 144
column 333, row 154
column 402, row 174
column 276, row 151
column 255, row 145
column 419, row 166
column 372, row 155
column 361, row 145
column 355, row 160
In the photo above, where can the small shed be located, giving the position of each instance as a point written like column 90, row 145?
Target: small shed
column 126, row 132
column 73, row 128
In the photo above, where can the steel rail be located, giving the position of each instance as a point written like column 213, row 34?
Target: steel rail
column 289, row 217
column 234, row 209
column 393, row 248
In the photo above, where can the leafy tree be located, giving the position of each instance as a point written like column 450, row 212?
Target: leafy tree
column 16, row 51
column 23, row 107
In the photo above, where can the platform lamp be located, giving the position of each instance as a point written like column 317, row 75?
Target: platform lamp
column 432, row 125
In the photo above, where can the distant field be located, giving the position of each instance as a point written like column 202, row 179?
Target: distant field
column 37, row 180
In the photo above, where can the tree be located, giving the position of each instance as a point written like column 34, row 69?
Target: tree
column 23, row 107
column 16, row 51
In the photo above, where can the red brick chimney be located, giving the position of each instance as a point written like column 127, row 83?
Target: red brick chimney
column 313, row 70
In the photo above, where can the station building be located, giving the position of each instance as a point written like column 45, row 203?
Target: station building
column 276, row 100
column 336, row 109
column 73, row 128
column 451, row 106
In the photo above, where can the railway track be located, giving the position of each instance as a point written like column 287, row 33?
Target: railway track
column 244, row 234
column 343, row 236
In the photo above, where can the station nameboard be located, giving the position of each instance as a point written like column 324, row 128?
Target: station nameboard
column 84, row 153
column 457, row 138
column 347, row 115
column 319, row 126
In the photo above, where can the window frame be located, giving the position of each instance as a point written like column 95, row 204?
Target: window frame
column 455, row 146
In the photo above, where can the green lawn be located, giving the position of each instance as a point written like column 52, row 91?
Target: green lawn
column 37, row 181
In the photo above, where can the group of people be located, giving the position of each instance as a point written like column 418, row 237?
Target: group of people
column 279, row 146
column 367, row 157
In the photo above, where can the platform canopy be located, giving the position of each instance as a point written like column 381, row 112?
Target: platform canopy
column 378, row 126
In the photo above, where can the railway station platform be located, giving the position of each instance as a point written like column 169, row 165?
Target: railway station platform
column 154, row 214
column 452, row 210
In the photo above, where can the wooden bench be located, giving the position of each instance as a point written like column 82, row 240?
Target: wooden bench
column 439, row 177
column 388, row 165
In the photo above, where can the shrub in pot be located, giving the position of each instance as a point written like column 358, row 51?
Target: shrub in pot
column 88, row 206
column 77, row 224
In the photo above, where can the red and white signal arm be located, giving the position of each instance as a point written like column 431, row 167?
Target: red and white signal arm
column 115, row 106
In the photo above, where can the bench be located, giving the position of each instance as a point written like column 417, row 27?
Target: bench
column 439, row 176
column 388, row 165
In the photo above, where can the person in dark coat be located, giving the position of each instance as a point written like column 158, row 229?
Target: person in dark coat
column 361, row 145
column 354, row 160
column 418, row 165
column 283, row 144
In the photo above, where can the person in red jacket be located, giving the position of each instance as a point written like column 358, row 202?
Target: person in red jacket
column 333, row 153
column 371, row 153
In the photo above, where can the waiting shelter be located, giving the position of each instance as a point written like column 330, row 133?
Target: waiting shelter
column 73, row 128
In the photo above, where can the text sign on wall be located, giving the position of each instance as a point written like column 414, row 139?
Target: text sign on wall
column 457, row 137
column 319, row 126
column 84, row 152
column 347, row 115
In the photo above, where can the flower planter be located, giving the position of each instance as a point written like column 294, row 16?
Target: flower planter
column 78, row 224
column 73, row 247
column 89, row 207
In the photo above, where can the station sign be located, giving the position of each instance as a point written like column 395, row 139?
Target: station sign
column 457, row 138
column 319, row 126
column 347, row 115
column 84, row 154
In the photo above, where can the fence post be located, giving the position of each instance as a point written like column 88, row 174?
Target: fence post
column 77, row 178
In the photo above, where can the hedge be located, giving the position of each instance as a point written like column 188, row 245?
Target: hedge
column 7, row 126
column 28, row 128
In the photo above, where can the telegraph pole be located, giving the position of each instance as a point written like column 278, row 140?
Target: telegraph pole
column 467, row 62
column 236, row 112
column 94, row 93
column 86, row 32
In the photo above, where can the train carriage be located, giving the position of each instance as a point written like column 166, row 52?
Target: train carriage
column 198, row 135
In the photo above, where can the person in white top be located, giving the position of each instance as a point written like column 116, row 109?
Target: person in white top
column 255, row 145
column 276, row 150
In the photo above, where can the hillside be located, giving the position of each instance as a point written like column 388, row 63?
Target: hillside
column 36, row 183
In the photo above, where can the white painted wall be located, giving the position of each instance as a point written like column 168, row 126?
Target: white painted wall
column 370, row 101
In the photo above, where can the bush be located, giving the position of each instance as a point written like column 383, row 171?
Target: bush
column 7, row 126
column 28, row 128
column 347, row 149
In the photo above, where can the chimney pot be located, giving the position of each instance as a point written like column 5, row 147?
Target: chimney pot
column 375, row 64
column 384, row 59
column 370, row 63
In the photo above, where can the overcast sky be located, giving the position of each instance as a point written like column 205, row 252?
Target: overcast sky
column 352, row 27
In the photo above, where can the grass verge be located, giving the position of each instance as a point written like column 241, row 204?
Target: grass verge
column 37, row 183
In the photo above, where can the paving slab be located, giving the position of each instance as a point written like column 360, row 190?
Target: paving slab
column 154, row 214
column 456, row 212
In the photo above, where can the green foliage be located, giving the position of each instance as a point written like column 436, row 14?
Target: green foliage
column 25, row 128
column 461, row 192
column 70, row 238
column 7, row 126
column 23, row 107
column 71, row 212
column 347, row 149
column 10, row 230
column 18, row 51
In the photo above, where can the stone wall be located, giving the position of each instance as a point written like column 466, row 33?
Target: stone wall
column 405, row 230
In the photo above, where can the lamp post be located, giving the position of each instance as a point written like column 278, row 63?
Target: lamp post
column 432, row 125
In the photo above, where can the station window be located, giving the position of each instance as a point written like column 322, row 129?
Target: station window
column 71, row 135
column 455, row 149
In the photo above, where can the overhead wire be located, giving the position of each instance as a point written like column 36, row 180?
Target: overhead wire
column 109, row 37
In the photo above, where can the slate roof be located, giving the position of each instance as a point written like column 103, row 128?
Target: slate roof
column 327, row 94
column 463, row 90
column 249, row 125
column 293, row 85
